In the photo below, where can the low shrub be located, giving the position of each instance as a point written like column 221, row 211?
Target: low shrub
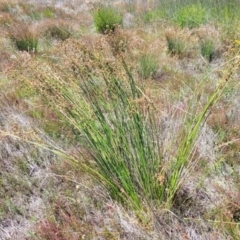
column 106, row 19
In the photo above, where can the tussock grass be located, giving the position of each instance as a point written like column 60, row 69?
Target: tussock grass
column 207, row 49
column 176, row 44
column 24, row 37
column 163, row 146
column 106, row 19
column 115, row 121
column 112, row 127
column 148, row 66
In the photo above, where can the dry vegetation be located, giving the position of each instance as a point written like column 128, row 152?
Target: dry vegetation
column 130, row 133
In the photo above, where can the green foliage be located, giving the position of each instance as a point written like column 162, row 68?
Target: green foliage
column 148, row 66
column 191, row 16
column 106, row 19
column 207, row 49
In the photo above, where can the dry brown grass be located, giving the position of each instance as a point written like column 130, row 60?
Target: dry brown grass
column 56, row 28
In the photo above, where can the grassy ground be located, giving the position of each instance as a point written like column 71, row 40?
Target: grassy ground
column 119, row 121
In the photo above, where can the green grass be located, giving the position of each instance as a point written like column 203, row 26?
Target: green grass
column 207, row 49
column 115, row 122
column 175, row 45
column 122, row 143
column 112, row 126
column 153, row 15
column 24, row 38
column 191, row 16
column 27, row 44
column 48, row 12
column 106, row 19
column 148, row 66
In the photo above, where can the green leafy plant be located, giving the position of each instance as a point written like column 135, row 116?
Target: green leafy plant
column 191, row 16
column 106, row 19
column 148, row 66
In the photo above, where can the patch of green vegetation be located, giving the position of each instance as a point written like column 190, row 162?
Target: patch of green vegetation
column 30, row 43
column 234, row 230
column 48, row 13
column 106, row 19
column 36, row 113
column 3, row 211
column 175, row 45
column 207, row 48
column 191, row 16
column 153, row 15
column 148, row 66
column 7, row 208
column 226, row 12
column 53, row 129
column 98, row 105
column 24, row 38
column 112, row 122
